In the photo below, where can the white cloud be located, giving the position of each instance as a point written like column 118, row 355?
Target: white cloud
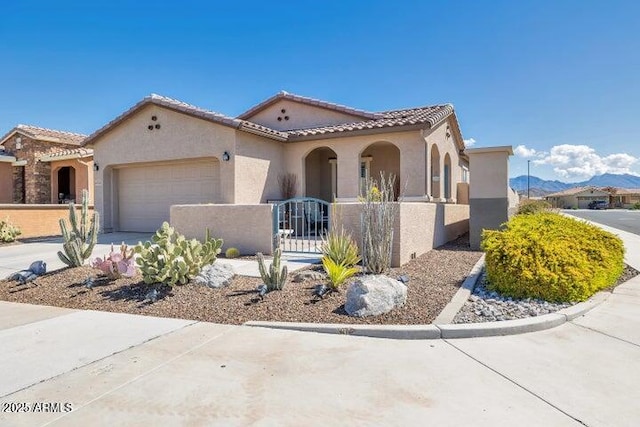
column 578, row 161
column 523, row 151
column 469, row 142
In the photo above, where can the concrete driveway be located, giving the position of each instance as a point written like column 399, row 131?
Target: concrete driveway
column 19, row 256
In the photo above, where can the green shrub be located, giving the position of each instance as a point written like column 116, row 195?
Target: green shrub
column 8, row 232
column 171, row 259
column 636, row 206
column 533, row 206
column 232, row 253
column 549, row 256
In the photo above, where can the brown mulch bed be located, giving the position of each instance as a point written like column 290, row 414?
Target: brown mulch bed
column 434, row 279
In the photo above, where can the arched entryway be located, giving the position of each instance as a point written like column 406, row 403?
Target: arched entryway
column 380, row 157
column 435, row 172
column 66, row 184
column 321, row 174
column 447, row 176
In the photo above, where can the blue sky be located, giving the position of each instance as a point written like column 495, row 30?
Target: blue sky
column 558, row 80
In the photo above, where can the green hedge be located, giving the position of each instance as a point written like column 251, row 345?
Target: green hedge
column 549, row 256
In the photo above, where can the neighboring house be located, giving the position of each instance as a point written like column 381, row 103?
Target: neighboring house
column 577, row 197
column 42, row 166
column 628, row 197
column 163, row 152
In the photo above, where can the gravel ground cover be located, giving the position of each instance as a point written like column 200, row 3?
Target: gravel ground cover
column 484, row 305
column 433, row 279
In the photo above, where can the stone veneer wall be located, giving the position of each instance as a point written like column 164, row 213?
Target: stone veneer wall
column 36, row 180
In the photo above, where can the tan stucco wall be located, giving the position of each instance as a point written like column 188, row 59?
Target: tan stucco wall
column 83, row 177
column 489, row 175
column 463, row 193
column 419, row 227
column 445, row 145
column 258, row 163
column 37, row 220
column 6, row 182
column 246, row 227
column 180, row 137
column 300, row 116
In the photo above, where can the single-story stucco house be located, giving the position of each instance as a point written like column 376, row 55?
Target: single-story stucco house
column 577, row 197
column 163, row 152
column 44, row 166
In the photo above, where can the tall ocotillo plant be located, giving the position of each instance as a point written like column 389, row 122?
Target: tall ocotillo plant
column 379, row 209
column 81, row 239
column 276, row 277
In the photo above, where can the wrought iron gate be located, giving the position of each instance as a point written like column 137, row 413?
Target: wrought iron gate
column 299, row 224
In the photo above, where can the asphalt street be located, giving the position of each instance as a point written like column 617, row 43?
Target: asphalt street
column 617, row 218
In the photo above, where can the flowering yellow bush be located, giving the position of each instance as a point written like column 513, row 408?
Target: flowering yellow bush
column 549, row 256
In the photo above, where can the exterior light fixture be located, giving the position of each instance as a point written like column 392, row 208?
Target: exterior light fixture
column 96, row 167
column 226, row 156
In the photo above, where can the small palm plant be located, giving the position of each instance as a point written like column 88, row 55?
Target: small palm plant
column 337, row 273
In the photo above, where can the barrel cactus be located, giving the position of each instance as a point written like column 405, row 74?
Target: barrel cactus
column 82, row 238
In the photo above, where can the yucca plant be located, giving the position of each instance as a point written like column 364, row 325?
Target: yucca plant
column 337, row 273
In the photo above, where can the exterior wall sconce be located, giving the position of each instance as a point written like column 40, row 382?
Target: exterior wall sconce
column 96, row 166
column 226, row 156
column 18, row 142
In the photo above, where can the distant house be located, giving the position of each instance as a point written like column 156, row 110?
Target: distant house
column 164, row 152
column 628, row 196
column 577, row 197
column 43, row 166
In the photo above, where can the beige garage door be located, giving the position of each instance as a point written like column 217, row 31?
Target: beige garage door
column 146, row 193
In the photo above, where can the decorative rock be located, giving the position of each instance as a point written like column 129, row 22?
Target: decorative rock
column 216, row 275
column 38, row 268
column 307, row 275
column 374, row 295
column 487, row 306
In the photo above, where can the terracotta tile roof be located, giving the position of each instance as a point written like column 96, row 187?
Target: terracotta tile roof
column 309, row 101
column 79, row 153
column 628, row 191
column 430, row 115
column 44, row 134
column 572, row 191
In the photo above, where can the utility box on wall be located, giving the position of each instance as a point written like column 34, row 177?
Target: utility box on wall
column 488, row 190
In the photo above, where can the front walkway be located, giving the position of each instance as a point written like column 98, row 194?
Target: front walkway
column 120, row 369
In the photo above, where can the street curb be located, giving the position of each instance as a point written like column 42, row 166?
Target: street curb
column 435, row 331
column 399, row 332
column 450, row 310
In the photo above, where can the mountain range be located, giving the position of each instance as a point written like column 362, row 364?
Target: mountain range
column 540, row 187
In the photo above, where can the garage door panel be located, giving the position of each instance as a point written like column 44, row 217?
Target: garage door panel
column 146, row 193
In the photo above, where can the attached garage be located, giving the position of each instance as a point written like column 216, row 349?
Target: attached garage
column 146, row 193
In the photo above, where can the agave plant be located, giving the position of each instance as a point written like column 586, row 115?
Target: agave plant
column 337, row 273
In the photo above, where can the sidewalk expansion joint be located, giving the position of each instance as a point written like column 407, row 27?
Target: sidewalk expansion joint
column 515, row 383
column 606, row 334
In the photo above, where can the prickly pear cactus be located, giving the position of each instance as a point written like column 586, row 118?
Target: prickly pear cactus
column 171, row 259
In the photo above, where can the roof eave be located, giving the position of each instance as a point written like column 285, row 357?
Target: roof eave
column 359, row 132
column 50, row 158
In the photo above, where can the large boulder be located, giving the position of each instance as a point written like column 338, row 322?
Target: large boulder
column 374, row 295
column 216, row 275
